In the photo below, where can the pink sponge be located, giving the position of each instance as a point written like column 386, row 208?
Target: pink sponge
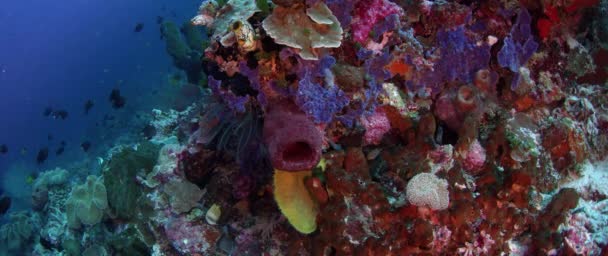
column 293, row 141
column 376, row 126
column 368, row 13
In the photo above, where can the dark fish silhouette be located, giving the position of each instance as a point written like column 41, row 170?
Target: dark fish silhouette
column 59, row 151
column 5, row 204
column 148, row 131
column 43, row 154
column 117, row 100
column 87, row 106
column 159, row 19
column 60, row 114
column 107, row 117
column 49, row 137
column 47, row 244
column 138, row 27
column 62, row 143
column 3, row 149
column 85, row 146
column 47, row 111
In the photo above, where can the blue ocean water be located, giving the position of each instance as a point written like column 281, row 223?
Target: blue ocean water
column 60, row 54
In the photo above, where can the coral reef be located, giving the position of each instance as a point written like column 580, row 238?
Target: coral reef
column 351, row 127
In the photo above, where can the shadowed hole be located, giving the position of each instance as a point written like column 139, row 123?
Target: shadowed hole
column 298, row 151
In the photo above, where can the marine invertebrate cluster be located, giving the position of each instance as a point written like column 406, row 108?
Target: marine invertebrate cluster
column 351, row 127
column 412, row 100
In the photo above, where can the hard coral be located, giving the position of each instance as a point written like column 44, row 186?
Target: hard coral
column 221, row 18
column 306, row 29
column 293, row 141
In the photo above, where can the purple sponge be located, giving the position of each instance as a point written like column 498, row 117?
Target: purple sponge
column 293, row 141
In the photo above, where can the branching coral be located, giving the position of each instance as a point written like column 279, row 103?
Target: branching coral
column 320, row 103
column 304, row 29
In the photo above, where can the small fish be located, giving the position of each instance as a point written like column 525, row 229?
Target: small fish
column 59, row 151
column 117, row 100
column 31, row 178
column 49, row 137
column 5, row 204
column 87, row 106
column 138, row 27
column 85, row 146
column 43, row 154
column 3, row 149
column 60, row 114
column 159, row 19
column 47, row 111
column 62, row 143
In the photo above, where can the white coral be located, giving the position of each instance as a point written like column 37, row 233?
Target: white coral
column 426, row 189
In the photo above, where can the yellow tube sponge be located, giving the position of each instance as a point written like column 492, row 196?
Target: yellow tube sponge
column 294, row 200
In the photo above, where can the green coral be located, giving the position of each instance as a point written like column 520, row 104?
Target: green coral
column 183, row 195
column 193, row 36
column 185, row 52
column 71, row 247
column 95, row 250
column 175, row 46
column 87, row 203
column 16, row 233
column 120, row 174
column 129, row 242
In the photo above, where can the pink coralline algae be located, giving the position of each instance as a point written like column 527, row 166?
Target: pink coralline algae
column 376, row 126
column 294, row 142
column 368, row 13
column 189, row 238
column 475, row 157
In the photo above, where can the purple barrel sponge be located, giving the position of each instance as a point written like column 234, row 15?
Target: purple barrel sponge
column 293, row 141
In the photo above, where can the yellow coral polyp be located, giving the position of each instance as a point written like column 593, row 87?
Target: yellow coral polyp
column 294, row 201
